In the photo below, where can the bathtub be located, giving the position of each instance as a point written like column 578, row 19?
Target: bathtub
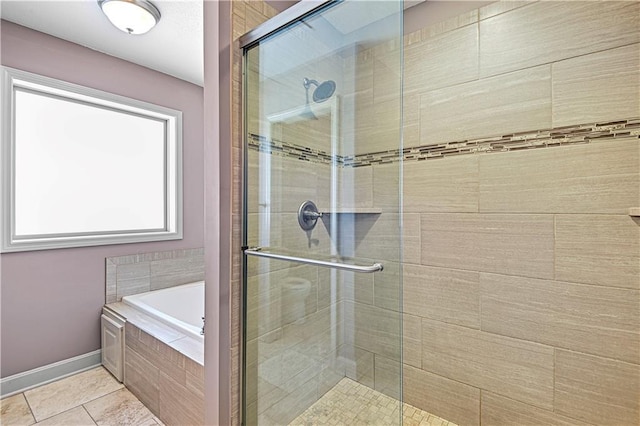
column 180, row 307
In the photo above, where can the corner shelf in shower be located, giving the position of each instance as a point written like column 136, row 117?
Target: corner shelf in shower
column 634, row 212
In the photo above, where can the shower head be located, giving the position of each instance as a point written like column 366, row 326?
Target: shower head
column 323, row 90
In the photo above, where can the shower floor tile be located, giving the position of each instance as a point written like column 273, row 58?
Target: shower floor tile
column 350, row 403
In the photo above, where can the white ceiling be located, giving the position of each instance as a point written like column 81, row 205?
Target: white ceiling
column 174, row 46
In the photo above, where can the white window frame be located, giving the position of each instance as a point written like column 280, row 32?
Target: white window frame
column 13, row 80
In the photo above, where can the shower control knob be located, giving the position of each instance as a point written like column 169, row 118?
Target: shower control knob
column 308, row 215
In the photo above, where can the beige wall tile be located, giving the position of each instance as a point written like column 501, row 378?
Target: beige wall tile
column 111, row 270
column 348, row 286
column 498, row 7
column 142, row 379
column 388, row 376
column 371, row 236
column 442, row 60
column 132, row 279
column 447, row 295
column 281, row 232
column 317, row 326
column 253, row 181
column 593, row 319
column 358, row 287
column 312, row 133
column 355, row 187
column 288, row 182
column 443, row 185
column 450, row 24
column 411, row 340
column 172, row 272
column 597, row 87
column 589, row 387
column 386, row 186
column 378, row 127
column 331, row 372
column 598, row 249
column 270, row 306
column 179, row 405
column 289, row 407
column 359, row 365
column 507, row 103
column 373, row 329
column 410, row 119
column 330, row 287
column 451, row 400
column 510, row 244
column 500, row 411
column 387, row 287
column 253, row 17
column 515, row 368
column 387, row 74
column 411, row 238
column 545, row 32
column 599, row 177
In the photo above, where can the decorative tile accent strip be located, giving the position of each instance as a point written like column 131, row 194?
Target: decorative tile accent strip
column 547, row 138
column 285, row 149
column 561, row 136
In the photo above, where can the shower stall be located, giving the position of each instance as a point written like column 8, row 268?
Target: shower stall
column 320, row 235
column 441, row 223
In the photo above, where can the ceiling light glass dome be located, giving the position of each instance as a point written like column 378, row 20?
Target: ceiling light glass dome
column 131, row 16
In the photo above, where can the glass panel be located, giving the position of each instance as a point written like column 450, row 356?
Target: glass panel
column 323, row 103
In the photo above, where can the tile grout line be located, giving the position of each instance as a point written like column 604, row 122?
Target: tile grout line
column 88, row 413
column 29, row 407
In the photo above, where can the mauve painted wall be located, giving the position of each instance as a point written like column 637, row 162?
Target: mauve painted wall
column 51, row 299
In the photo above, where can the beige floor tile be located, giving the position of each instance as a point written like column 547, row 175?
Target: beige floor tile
column 120, row 407
column 14, row 410
column 60, row 396
column 74, row 417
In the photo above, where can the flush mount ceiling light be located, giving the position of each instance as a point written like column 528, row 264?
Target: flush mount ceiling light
column 131, row 16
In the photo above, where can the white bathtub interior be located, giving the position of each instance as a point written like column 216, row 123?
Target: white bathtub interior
column 180, row 307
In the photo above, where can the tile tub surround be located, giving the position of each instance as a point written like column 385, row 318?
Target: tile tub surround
column 93, row 397
column 163, row 368
column 140, row 273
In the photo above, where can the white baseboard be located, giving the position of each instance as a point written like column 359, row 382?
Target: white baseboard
column 49, row 373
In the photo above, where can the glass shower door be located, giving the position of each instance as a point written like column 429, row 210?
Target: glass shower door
column 322, row 282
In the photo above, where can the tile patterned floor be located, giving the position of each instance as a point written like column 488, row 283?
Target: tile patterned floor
column 94, row 397
column 350, row 403
column 90, row 398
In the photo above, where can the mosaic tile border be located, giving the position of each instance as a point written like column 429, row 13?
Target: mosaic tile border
column 285, row 149
column 548, row 138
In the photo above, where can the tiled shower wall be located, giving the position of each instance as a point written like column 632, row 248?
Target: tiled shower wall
column 521, row 272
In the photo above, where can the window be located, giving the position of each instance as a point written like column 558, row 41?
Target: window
column 81, row 167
